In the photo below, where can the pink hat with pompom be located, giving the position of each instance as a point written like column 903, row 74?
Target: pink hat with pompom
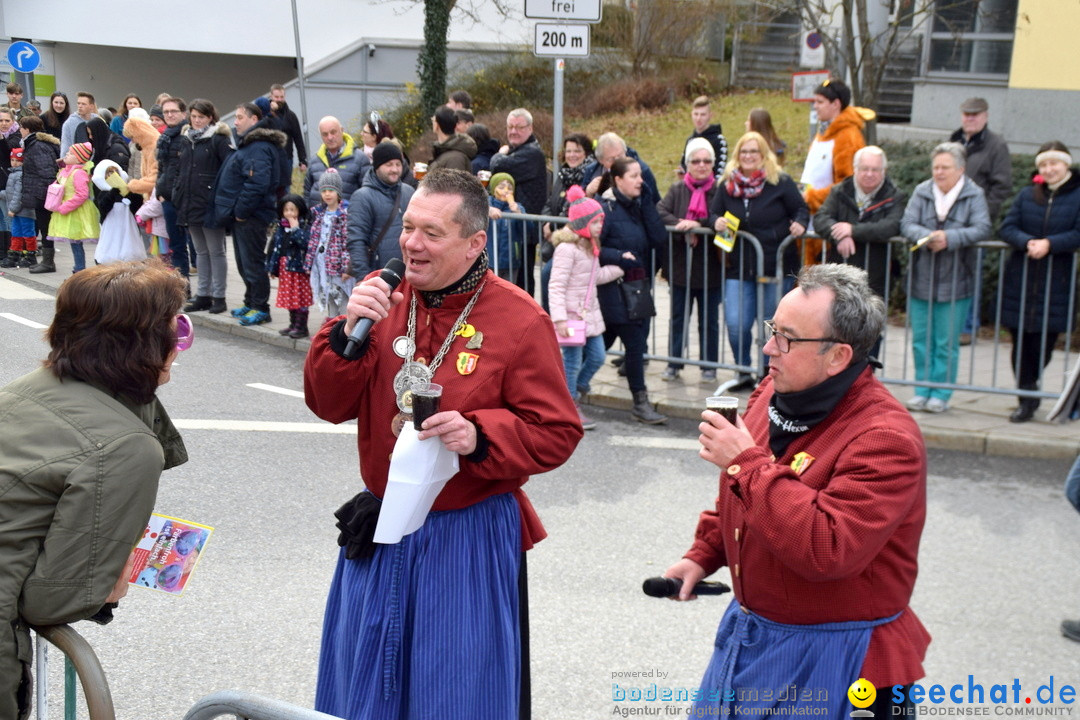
column 582, row 211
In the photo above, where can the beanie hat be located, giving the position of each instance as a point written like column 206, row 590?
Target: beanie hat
column 16, row 153
column 263, row 103
column 82, row 151
column 331, row 179
column 698, row 143
column 582, row 211
column 498, row 179
column 383, row 153
column 138, row 112
column 155, row 111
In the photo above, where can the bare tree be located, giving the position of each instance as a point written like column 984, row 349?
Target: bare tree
column 862, row 37
column 646, row 30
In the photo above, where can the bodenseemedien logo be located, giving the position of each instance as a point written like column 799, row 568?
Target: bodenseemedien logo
column 862, row 694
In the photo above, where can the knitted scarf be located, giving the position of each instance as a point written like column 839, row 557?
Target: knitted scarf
column 746, row 186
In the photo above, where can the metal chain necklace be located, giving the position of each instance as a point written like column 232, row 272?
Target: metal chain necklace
column 413, row 372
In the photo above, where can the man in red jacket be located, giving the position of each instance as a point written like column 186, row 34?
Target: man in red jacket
column 822, row 500
column 434, row 621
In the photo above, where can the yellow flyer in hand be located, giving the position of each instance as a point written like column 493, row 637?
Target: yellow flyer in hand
column 726, row 240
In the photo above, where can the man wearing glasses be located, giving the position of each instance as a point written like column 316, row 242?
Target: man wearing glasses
column 523, row 158
column 822, row 500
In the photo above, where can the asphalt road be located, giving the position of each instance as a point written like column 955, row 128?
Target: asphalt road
column 999, row 557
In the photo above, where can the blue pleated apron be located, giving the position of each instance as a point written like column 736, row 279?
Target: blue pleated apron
column 761, row 664
column 428, row 628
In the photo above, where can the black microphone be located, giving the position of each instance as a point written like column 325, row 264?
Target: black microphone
column 663, row 587
column 391, row 275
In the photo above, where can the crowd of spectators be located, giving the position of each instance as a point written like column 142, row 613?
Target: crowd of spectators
column 212, row 180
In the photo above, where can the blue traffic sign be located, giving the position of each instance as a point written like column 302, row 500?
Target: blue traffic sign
column 23, row 56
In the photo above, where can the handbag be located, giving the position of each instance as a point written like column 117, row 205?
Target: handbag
column 54, row 196
column 578, row 329
column 637, row 299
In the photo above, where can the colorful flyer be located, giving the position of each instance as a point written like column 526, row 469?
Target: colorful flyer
column 167, row 554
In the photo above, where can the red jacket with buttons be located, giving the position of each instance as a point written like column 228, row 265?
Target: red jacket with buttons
column 838, row 541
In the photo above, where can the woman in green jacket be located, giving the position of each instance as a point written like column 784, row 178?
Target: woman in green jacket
column 83, row 441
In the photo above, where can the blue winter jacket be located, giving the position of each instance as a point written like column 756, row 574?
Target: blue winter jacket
column 248, row 178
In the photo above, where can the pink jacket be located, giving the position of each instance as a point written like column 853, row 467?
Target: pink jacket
column 81, row 181
column 151, row 210
column 571, row 268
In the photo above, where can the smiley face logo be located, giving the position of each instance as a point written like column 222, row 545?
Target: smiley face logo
column 862, row 693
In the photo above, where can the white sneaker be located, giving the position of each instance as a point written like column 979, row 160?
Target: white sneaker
column 936, row 405
column 917, row 403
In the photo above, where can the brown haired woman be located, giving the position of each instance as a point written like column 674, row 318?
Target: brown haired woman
column 84, row 440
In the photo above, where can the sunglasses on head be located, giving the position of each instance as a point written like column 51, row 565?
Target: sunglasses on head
column 185, row 332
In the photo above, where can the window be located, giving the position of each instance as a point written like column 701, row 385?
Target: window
column 974, row 37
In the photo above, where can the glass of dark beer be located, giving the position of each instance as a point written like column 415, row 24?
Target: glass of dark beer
column 726, row 405
column 425, row 402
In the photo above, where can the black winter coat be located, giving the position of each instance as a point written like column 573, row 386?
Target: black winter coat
column 870, row 229
column 629, row 225
column 294, row 136
column 168, row 157
column 40, row 153
column 197, row 169
column 247, row 181
column 107, row 144
column 528, row 166
column 1039, row 213
column 768, row 218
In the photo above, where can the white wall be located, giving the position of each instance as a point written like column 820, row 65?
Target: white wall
column 243, row 27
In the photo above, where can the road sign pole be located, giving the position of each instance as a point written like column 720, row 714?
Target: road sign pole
column 557, row 131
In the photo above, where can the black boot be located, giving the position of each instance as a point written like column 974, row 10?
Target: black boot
column 27, row 260
column 1025, row 411
column 217, row 306
column 47, row 264
column 300, row 329
column 199, row 302
column 291, row 326
column 11, row 259
column 643, row 410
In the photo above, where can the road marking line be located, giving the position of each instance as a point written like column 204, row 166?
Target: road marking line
column 276, row 389
column 654, row 442
column 11, row 290
column 265, row 426
column 21, row 320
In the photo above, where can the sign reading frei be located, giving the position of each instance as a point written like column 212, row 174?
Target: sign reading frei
column 574, row 10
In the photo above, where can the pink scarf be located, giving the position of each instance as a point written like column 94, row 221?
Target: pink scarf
column 698, row 209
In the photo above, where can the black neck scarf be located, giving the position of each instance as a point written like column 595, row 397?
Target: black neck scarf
column 792, row 414
column 469, row 282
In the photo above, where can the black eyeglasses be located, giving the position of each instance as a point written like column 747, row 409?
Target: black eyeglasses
column 783, row 342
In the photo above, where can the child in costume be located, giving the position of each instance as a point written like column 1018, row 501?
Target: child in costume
column 23, row 228
column 76, row 221
column 286, row 263
column 153, row 216
column 120, row 239
column 328, row 255
column 505, row 237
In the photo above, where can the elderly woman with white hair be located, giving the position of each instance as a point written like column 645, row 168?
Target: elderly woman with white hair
column 946, row 216
column 691, row 263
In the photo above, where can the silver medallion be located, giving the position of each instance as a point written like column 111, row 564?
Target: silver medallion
column 404, row 401
column 410, row 374
column 403, row 347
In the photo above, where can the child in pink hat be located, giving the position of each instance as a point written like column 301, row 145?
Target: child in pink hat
column 76, row 220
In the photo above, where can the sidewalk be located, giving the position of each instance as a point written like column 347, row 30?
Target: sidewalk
column 977, row 423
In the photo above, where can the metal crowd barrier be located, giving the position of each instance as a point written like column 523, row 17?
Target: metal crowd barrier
column 79, row 660
column 985, row 366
